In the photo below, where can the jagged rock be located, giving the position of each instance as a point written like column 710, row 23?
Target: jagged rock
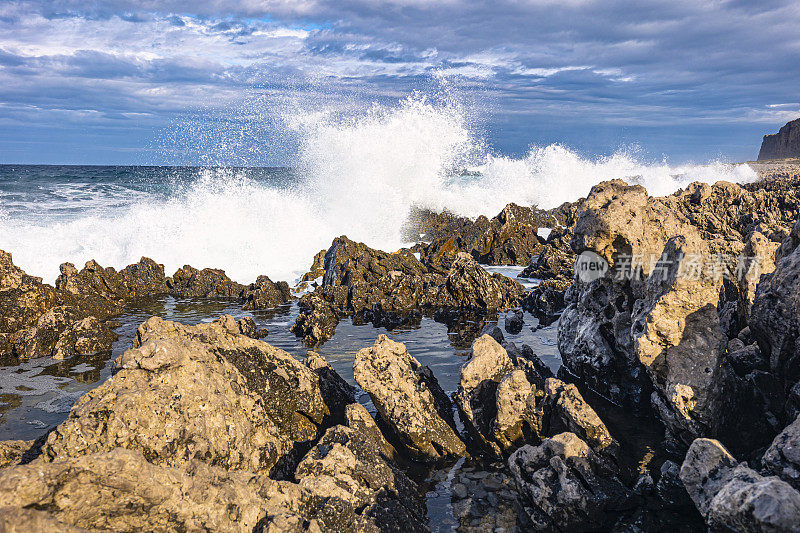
column 567, row 411
column 563, row 487
column 337, row 393
column 266, row 294
column 207, row 283
column 525, row 359
column 317, row 319
column 782, row 145
column 12, row 451
column 519, row 412
column 546, row 300
column 85, row 337
column 358, row 418
column 731, row 496
column 201, row 392
column 346, row 465
column 678, row 337
column 782, row 458
column 514, row 322
column 247, row 326
column 120, row 490
column 392, row 289
column 510, row 238
column 409, row 400
column 469, row 286
column 655, row 331
column 33, row 315
column 477, row 389
column 144, row 278
column 775, row 317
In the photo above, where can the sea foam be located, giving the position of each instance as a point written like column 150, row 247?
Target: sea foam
column 359, row 176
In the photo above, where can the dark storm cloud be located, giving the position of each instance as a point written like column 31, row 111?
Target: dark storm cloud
column 573, row 67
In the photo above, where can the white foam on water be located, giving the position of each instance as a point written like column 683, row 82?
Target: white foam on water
column 362, row 175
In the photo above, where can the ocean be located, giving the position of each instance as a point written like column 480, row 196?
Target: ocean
column 356, row 176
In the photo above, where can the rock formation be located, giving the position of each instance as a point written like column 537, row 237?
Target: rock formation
column 192, row 432
column 409, row 400
column 782, row 145
column 390, row 289
column 654, row 332
column 733, row 497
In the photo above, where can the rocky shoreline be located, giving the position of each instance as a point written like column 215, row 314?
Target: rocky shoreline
column 690, row 335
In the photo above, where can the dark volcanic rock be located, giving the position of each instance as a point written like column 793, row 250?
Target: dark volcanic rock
column 209, row 282
column 409, row 400
column 144, row 278
column 510, row 238
column 733, row 497
column 265, row 294
column 563, row 486
column 782, row 145
column 393, row 289
column 782, row 458
column 654, row 330
column 33, row 316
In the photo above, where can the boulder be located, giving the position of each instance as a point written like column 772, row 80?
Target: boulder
column 514, row 322
column 652, row 332
column 33, row 315
column 568, row 412
column 202, row 392
column 120, row 490
column 207, row 283
column 265, row 294
column 563, row 487
column 346, row 465
column 468, row 286
column 477, row 390
column 782, row 458
column 144, row 278
column 391, row 290
column 409, row 401
column 731, row 496
column 84, row 337
column 337, row 393
column 510, row 238
column 519, row 412
column 317, row 319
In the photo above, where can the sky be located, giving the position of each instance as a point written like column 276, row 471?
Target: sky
column 165, row 81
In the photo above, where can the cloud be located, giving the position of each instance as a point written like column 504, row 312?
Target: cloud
column 590, row 65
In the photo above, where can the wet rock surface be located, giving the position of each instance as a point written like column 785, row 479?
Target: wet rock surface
column 208, row 427
column 409, row 400
column 732, row 496
column 650, row 336
column 393, row 289
column 33, row 316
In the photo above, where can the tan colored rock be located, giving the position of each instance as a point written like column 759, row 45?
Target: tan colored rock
column 346, row 465
column 358, row 418
column 477, row 390
column 409, row 400
column 519, row 412
column 202, row 392
column 119, row 490
column 569, row 412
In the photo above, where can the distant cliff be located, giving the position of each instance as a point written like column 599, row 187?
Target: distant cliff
column 785, row 143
